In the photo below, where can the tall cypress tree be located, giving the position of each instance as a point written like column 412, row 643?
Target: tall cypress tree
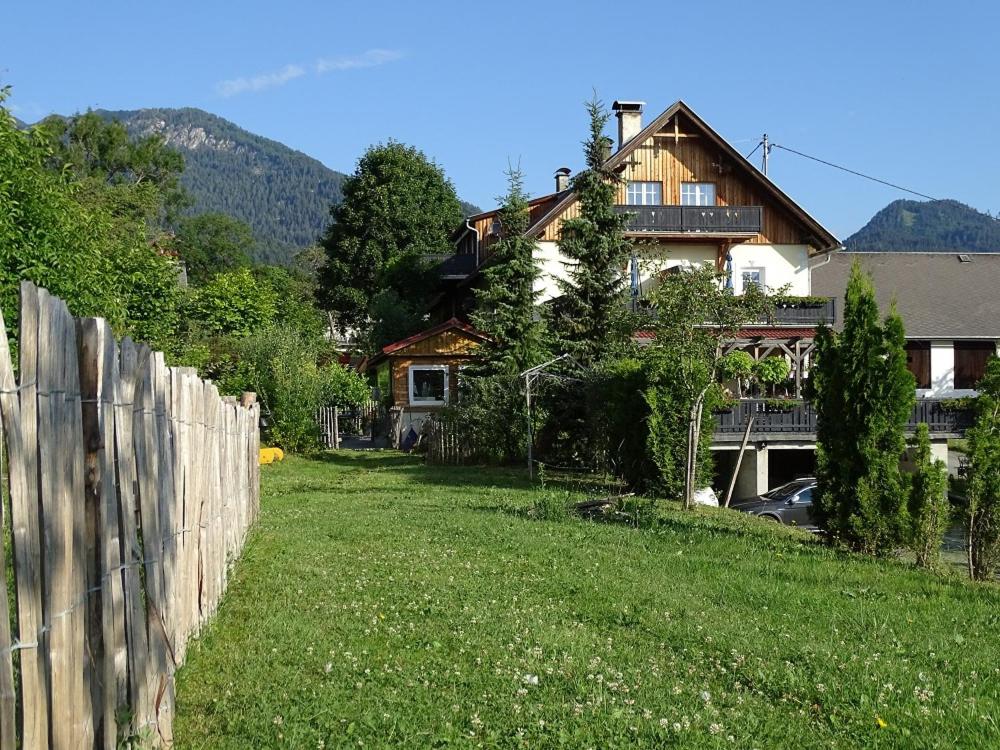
column 588, row 319
column 983, row 509
column 505, row 300
column 863, row 394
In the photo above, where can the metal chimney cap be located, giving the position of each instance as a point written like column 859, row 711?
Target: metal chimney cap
column 621, row 105
column 563, row 171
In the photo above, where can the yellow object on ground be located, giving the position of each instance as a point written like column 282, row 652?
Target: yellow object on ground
column 270, row 455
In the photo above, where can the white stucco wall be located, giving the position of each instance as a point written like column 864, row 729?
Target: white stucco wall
column 781, row 264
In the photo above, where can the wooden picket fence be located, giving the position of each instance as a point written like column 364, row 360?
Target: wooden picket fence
column 130, row 487
column 447, row 442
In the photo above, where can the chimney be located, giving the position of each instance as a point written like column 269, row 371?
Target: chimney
column 562, row 179
column 629, row 116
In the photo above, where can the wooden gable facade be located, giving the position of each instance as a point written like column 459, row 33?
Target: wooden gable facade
column 679, row 147
column 675, row 148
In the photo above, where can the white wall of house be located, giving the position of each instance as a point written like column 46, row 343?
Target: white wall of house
column 943, row 372
column 780, row 265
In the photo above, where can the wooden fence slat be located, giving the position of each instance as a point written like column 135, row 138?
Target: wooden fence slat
column 97, row 370
column 85, row 575
column 132, row 555
column 20, row 420
column 8, row 696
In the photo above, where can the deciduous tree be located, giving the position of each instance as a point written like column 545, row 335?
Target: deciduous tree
column 397, row 207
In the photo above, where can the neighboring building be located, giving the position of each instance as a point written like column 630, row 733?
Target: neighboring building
column 949, row 305
column 419, row 374
column 694, row 200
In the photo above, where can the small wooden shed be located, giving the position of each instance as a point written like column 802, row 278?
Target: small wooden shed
column 421, row 373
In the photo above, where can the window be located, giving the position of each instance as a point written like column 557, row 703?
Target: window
column 644, row 194
column 697, row 194
column 970, row 361
column 918, row 361
column 428, row 385
column 753, row 277
column 805, row 497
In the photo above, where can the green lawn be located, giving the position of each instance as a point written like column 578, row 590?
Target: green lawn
column 382, row 603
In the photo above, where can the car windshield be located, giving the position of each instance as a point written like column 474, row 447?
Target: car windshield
column 785, row 491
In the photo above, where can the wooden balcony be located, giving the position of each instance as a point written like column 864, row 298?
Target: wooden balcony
column 773, row 418
column 723, row 221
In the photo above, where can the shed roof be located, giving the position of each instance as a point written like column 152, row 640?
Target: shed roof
column 454, row 324
column 938, row 295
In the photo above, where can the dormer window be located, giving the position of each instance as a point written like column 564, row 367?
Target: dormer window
column 644, row 194
column 697, row 194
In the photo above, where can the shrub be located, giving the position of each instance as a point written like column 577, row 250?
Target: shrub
column 770, row 371
column 928, row 501
column 281, row 367
column 739, row 367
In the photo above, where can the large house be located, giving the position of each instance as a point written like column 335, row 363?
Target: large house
column 692, row 198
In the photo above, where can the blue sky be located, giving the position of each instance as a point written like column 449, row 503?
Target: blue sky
column 904, row 91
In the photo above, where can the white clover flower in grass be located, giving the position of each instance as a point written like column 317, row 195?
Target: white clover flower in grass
column 706, row 696
column 530, row 679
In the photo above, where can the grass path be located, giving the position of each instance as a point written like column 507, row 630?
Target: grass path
column 382, row 603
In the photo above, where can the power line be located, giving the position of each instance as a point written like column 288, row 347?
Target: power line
column 851, row 171
column 759, row 144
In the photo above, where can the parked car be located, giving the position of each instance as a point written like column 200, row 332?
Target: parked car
column 790, row 504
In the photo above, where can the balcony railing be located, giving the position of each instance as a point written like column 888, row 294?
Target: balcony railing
column 803, row 314
column 789, row 314
column 774, row 417
column 452, row 266
column 694, row 219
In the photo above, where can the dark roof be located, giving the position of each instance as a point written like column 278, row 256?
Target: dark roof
column 937, row 294
column 448, row 325
column 825, row 240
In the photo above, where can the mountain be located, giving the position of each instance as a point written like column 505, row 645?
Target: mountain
column 947, row 225
column 283, row 194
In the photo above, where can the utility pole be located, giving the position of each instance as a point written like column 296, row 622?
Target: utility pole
column 767, row 150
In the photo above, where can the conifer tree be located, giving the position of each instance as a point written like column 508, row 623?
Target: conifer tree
column 505, row 300
column 984, row 477
column 863, row 395
column 588, row 318
column 929, row 509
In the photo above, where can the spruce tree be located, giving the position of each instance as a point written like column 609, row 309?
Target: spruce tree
column 506, row 297
column 588, row 318
column 863, row 394
column 984, row 477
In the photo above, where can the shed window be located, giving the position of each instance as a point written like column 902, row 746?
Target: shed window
column 644, row 194
column 697, row 194
column 918, row 361
column 970, row 361
column 428, row 384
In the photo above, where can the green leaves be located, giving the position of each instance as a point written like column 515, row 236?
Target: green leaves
column 397, row 207
column 234, row 303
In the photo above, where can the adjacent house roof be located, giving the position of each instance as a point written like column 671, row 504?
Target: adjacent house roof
column 449, row 325
column 825, row 240
column 939, row 295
